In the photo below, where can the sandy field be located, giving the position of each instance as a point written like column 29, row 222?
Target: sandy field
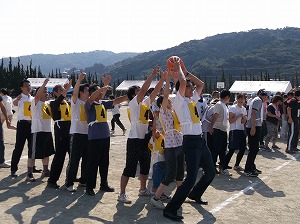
column 271, row 198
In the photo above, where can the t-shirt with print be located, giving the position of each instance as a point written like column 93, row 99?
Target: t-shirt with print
column 96, row 114
column 236, row 110
column 293, row 104
column 24, row 107
column 187, row 113
column 139, row 118
column 256, row 104
column 272, row 110
column 218, row 109
column 41, row 117
column 173, row 137
column 79, row 123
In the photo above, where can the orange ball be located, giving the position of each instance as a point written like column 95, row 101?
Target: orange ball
column 171, row 60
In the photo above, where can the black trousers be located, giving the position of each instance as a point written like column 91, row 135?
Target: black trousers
column 293, row 135
column 78, row 150
column 253, row 149
column 62, row 147
column 23, row 133
column 237, row 141
column 219, row 146
column 116, row 119
column 98, row 158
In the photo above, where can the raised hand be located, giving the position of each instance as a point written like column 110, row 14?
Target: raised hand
column 45, row 81
column 106, row 80
column 81, row 76
column 155, row 70
column 68, row 85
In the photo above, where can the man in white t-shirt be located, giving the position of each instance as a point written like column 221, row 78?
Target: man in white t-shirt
column 79, row 135
column 23, row 101
column 237, row 134
column 194, row 146
column 8, row 103
column 137, row 146
column 41, row 129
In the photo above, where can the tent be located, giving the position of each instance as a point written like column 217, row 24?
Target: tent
column 37, row 82
column 127, row 83
column 254, row 86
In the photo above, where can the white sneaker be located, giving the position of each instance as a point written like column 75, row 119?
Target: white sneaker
column 71, row 189
column 157, row 203
column 124, row 131
column 112, row 132
column 145, row 192
column 124, row 199
column 4, row 165
column 225, row 172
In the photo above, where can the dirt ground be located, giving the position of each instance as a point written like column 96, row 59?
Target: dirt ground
column 271, row 198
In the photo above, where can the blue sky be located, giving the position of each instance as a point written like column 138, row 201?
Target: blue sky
column 65, row 26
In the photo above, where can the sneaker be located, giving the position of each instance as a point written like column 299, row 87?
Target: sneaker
column 238, row 168
column 257, row 171
column 107, row 189
column 165, row 197
column 290, row 151
column 30, row 178
column 250, row 174
column 275, row 147
column 53, row 185
column 90, row 192
column 157, row 203
column 261, row 146
column 124, row 199
column 225, row 172
column 124, row 131
column 4, row 165
column 145, row 192
column 14, row 174
column 112, row 132
column 45, row 173
column 266, row 148
column 71, row 188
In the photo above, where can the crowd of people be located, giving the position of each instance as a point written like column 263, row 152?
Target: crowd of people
column 167, row 136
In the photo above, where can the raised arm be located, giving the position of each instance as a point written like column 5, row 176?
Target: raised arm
column 16, row 100
column 40, row 92
column 199, row 84
column 76, row 87
column 146, row 85
column 67, row 87
column 95, row 95
column 166, row 91
column 181, row 78
column 158, row 87
column 120, row 99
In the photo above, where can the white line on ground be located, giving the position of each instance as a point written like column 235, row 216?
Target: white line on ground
column 250, row 187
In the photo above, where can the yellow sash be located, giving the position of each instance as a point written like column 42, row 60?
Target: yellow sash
column 46, row 111
column 82, row 113
column 194, row 112
column 160, row 144
column 27, row 109
column 144, row 114
column 101, row 113
column 65, row 112
column 177, row 125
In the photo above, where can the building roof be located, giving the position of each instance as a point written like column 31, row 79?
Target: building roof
column 127, row 83
column 254, row 86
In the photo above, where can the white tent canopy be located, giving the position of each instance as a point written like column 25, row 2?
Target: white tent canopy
column 37, row 82
column 254, row 86
column 127, row 83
